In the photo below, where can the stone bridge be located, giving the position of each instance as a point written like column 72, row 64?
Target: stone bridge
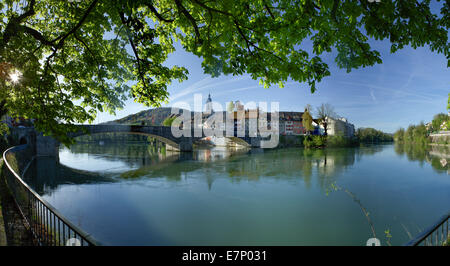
column 48, row 146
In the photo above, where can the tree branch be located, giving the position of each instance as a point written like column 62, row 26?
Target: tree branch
column 333, row 11
column 190, row 18
column 92, row 54
column 77, row 26
column 133, row 47
column 37, row 35
column 268, row 10
column 30, row 12
column 213, row 9
column 159, row 16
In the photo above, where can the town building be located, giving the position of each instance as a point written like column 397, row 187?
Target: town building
column 339, row 126
column 290, row 123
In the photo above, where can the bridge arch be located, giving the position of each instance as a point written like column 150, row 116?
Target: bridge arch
column 161, row 133
column 167, row 141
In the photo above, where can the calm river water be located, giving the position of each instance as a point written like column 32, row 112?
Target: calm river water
column 138, row 194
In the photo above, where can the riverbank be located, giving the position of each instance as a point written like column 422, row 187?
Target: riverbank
column 320, row 142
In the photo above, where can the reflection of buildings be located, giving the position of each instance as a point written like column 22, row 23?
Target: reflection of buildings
column 216, row 153
column 436, row 155
column 210, row 164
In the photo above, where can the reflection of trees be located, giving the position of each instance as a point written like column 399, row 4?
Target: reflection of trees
column 156, row 162
column 296, row 163
column 277, row 164
column 45, row 174
column 437, row 156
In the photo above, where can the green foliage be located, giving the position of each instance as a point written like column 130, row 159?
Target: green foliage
column 448, row 102
column 315, row 141
column 399, row 135
column 4, row 129
column 371, row 135
column 151, row 117
column 169, row 120
column 307, row 142
column 414, row 134
column 440, row 122
column 319, row 141
column 420, row 134
column 74, row 60
column 341, row 141
column 307, row 121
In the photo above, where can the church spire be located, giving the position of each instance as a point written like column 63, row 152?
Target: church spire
column 209, row 104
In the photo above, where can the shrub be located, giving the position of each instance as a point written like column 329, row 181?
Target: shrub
column 319, row 141
column 307, row 142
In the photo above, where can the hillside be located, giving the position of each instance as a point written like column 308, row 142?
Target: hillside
column 151, row 117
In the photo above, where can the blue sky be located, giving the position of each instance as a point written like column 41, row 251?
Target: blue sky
column 410, row 86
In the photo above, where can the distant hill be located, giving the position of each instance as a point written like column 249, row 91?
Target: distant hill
column 151, row 117
column 156, row 117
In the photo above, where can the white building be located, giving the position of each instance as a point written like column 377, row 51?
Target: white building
column 339, row 126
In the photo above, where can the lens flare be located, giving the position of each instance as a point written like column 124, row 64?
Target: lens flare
column 15, row 76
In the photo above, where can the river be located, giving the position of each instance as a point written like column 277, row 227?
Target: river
column 140, row 194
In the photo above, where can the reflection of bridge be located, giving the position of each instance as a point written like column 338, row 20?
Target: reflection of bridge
column 49, row 146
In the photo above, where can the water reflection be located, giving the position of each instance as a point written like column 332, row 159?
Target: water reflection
column 141, row 194
column 438, row 156
column 94, row 162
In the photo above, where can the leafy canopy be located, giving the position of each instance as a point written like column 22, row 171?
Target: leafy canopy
column 79, row 57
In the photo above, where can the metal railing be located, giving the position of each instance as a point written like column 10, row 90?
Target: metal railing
column 48, row 226
column 435, row 235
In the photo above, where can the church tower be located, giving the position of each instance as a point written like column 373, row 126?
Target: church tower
column 208, row 103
